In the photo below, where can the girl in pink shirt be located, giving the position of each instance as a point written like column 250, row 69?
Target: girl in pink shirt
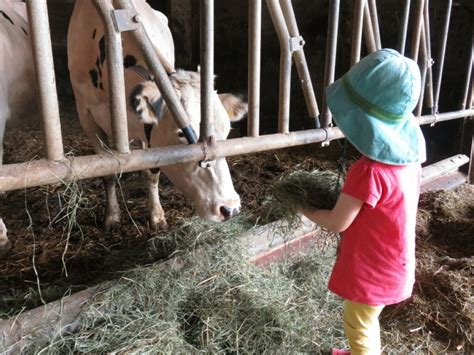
column 376, row 211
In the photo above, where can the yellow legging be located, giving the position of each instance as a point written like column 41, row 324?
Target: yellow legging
column 361, row 325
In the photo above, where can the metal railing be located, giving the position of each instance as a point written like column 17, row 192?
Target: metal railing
column 55, row 168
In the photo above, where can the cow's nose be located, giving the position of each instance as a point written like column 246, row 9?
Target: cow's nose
column 228, row 212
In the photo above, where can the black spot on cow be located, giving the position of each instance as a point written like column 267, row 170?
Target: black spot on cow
column 99, row 68
column 135, row 92
column 24, row 31
column 102, row 50
column 129, row 61
column 148, row 128
column 94, row 78
column 94, row 33
column 7, row 17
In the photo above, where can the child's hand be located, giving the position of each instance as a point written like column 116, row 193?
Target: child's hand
column 339, row 218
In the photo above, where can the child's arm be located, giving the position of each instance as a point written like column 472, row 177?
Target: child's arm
column 340, row 217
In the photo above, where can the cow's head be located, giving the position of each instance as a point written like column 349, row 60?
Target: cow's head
column 210, row 188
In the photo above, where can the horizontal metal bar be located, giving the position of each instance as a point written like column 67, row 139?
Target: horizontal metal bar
column 447, row 116
column 44, row 172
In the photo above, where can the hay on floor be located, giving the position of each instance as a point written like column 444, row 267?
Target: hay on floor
column 215, row 303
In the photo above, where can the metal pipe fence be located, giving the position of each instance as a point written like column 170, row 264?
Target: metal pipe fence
column 296, row 47
column 357, row 27
column 254, row 57
column 46, row 80
column 331, row 50
column 43, row 172
column 55, row 168
column 402, row 33
column 207, row 68
column 117, row 95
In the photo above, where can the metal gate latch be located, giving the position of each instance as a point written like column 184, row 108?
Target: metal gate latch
column 296, row 43
column 126, row 20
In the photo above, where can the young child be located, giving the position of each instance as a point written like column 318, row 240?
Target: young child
column 376, row 211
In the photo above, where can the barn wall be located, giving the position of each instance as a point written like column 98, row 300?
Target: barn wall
column 231, row 28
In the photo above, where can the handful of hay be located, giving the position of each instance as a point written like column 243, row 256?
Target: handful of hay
column 303, row 189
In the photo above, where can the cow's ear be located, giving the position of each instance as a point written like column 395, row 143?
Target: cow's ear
column 236, row 107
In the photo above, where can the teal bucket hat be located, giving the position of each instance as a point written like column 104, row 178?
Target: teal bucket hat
column 372, row 104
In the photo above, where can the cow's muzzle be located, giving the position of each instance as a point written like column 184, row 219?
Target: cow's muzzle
column 228, row 212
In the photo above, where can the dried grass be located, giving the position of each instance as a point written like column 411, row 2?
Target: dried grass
column 215, row 302
column 302, row 189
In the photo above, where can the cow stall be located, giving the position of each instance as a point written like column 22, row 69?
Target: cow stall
column 57, row 168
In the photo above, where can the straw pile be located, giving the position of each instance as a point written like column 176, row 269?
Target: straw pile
column 214, row 302
column 302, row 189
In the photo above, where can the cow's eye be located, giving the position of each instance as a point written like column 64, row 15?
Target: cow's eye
column 180, row 134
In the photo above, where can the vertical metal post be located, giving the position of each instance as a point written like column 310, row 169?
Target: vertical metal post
column 375, row 23
column 402, row 33
column 117, row 96
column 441, row 55
column 160, row 70
column 369, row 31
column 331, row 49
column 429, row 59
column 415, row 43
column 467, row 136
column 255, row 35
column 300, row 62
column 357, row 30
column 285, row 65
column 423, row 69
column 468, row 83
column 44, row 65
column 207, row 68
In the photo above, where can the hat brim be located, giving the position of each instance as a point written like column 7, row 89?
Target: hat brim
column 397, row 143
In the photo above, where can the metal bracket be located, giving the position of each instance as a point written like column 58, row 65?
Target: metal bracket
column 126, row 20
column 326, row 142
column 209, row 150
column 296, row 43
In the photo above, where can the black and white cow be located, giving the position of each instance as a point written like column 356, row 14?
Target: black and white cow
column 17, row 82
column 149, row 120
